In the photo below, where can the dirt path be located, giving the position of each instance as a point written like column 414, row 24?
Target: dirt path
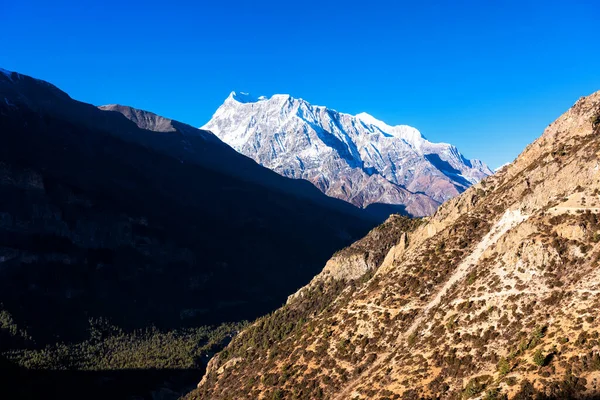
column 563, row 210
column 509, row 220
column 510, row 292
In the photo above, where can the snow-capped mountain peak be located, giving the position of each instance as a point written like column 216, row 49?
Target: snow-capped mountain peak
column 244, row 97
column 371, row 120
column 357, row 158
column 408, row 133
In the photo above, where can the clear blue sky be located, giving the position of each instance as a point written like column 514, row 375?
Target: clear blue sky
column 485, row 75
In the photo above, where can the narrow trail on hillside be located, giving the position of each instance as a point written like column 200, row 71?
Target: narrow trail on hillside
column 509, row 220
column 566, row 210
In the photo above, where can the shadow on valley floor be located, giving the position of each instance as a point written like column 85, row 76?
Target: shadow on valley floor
column 151, row 384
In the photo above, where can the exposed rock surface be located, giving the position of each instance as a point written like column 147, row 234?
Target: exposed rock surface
column 497, row 294
column 355, row 158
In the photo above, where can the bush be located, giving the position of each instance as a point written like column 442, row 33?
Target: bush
column 539, row 358
column 596, row 121
column 475, row 386
column 412, row 339
column 503, row 366
column 494, row 394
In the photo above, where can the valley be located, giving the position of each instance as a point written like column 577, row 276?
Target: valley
column 317, row 200
column 495, row 296
column 146, row 224
column 135, row 250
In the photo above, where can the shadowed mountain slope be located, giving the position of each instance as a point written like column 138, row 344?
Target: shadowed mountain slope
column 496, row 295
column 145, row 221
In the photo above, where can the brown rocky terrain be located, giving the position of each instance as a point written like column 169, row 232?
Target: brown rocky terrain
column 495, row 296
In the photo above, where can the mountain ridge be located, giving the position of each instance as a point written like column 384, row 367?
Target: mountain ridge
column 494, row 296
column 98, row 212
column 355, row 158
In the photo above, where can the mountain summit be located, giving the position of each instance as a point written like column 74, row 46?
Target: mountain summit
column 356, row 158
column 496, row 296
column 108, row 206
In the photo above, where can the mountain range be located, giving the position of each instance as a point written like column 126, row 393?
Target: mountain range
column 495, row 296
column 123, row 234
column 122, row 214
column 356, row 158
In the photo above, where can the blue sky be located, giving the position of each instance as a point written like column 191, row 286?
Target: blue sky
column 487, row 76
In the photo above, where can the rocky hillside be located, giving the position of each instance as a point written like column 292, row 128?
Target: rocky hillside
column 120, row 214
column 495, row 296
column 355, row 158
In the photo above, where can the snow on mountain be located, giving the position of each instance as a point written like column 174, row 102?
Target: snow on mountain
column 355, row 158
column 501, row 167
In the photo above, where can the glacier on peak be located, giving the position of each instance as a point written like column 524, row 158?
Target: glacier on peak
column 371, row 120
column 244, row 97
column 357, row 158
column 406, row 132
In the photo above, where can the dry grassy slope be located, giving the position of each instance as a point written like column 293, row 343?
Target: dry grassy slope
column 495, row 295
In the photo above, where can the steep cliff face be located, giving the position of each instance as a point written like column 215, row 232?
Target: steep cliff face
column 497, row 294
column 355, row 158
column 144, row 220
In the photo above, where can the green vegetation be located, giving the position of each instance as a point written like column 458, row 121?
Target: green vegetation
column 269, row 331
column 535, row 338
column 596, row 121
column 110, row 363
column 471, row 278
column 539, row 358
column 475, row 386
column 412, row 339
column 110, row 348
column 10, row 334
column 452, row 322
column 503, row 366
column 494, row 394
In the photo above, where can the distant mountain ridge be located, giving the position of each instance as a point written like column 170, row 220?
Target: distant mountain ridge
column 496, row 296
column 122, row 214
column 355, row 158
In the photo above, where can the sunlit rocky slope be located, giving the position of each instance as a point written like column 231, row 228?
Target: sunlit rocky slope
column 497, row 295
